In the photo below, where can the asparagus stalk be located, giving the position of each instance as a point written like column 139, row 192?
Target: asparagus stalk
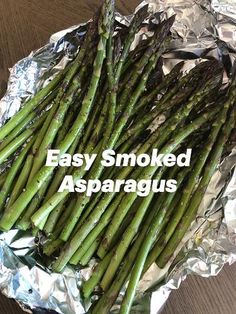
column 145, row 248
column 11, row 174
column 111, row 96
column 52, row 202
column 21, row 181
column 8, row 220
column 88, row 241
column 21, row 139
column 51, row 222
column 161, row 204
column 166, row 204
column 93, row 131
column 66, row 125
column 71, row 248
column 120, row 213
column 113, row 85
column 167, row 81
column 51, row 247
column 90, row 252
column 98, row 272
column 63, row 102
column 154, row 45
column 97, row 169
column 125, row 241
column 40, row 137
column 55, row 123
column 60, row 173
column 122, row 88
column 95, row 216
column 133, row 28
column 196, row 199
column 128, row 219
column 106, row 301
column 31, row 105
column 88, row 211
column 134, row 225
column 24, row 220
column 140, row 125
column 22, row 125
column 121, row 123
column 111, row 118
column 54, row 245
column 187, row 192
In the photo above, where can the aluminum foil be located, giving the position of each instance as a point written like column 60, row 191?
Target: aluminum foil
column 203, row 29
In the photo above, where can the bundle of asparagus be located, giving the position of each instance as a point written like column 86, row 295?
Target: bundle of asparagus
column 110, row 97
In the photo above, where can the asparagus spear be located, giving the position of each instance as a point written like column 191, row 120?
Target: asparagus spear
column 54, row 245
column 52, row 202
column 24, row 220
column 67, row 96
column 71, row 248
column 106, row 301
column 88, row 210
column 112, row 97
column 60, row 173
column 56, row 122
column 21, row 181
column 8, row 220
column 122, row 121
column 54, row 185
column 133, row 28
column 11, row 174
column 31, row 105
column 156, row 43
column 118, row 217
column 84, row 245
column 132, row 229
column 171, row 78
column 97, row 168
column 21, row 139
column 90, row 252
column 78, row 144
column 139, row 264
column 40, row 137
column 86, row 235
column 51, row 247
column 134, row 225
column 159, row 247
column 161, row 205
column 165, row 131
column 140, row 125
column 51, row 222
column 98, row 272
column 22, row 125
column 111, row 143
column 195, row 201
column 126, row 240
column 26, row 174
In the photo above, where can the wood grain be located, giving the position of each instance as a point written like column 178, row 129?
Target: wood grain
column 26, row 25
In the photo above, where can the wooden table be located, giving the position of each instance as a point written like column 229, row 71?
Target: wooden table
column 26, row 25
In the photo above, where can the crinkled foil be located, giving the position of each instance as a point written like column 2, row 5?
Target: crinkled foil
column 202, row 30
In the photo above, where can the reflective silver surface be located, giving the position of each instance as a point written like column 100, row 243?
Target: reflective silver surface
column 202, row 29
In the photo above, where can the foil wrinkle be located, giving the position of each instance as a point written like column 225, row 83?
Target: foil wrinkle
column 203, row 29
